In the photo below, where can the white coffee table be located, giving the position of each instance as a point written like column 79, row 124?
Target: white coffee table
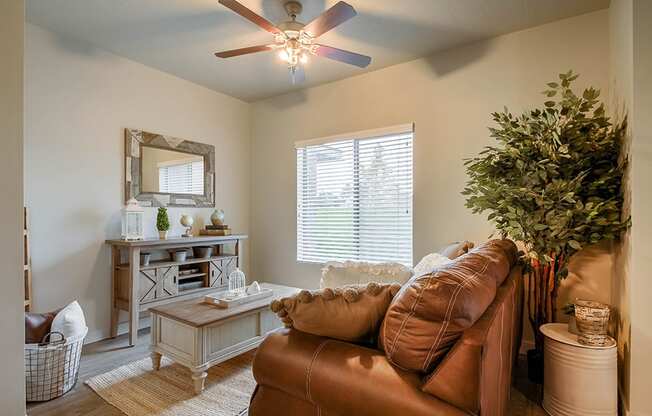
column 198, row 335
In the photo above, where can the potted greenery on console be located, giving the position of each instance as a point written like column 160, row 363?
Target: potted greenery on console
column 162, row 223
column 553, row 182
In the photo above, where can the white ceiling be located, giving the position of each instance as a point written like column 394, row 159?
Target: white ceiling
column 180, row 36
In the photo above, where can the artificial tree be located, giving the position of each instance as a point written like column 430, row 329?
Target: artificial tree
column 554, row 183
column 162, row 222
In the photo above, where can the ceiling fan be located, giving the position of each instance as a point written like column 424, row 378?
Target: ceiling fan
column 294, row 40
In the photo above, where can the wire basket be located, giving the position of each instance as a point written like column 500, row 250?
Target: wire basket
column 51, row 368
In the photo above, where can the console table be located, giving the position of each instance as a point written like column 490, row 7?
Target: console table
column 136, row 288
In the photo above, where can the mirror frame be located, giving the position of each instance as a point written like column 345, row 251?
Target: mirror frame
column 135, row 139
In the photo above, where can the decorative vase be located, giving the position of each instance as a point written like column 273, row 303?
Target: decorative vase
column 180, row 255
column 163, row 235
column 202, row 252
column 217, row 217
column 144, row 259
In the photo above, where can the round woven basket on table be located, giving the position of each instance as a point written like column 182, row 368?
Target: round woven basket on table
column 592, row 322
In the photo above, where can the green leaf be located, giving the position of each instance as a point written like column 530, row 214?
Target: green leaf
column 574, row 244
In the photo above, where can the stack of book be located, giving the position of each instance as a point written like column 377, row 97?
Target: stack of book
column 216, row 230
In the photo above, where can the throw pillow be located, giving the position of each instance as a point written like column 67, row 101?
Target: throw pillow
column 337, row 274
column 454, row 250
column 429, row 263
column 350, row 313
column 431, row 311
column 70, row 321
column 37, row 325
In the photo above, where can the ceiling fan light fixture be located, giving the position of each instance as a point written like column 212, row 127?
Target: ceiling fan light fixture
column 294, row 40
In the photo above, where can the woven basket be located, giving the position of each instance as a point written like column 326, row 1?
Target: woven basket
column 592, row 322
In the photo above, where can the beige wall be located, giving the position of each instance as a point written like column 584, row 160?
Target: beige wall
column 449, row 96
column 78, row 101
column 641, row 191
column 621, row 101
column 12, row 388
column 631, row 80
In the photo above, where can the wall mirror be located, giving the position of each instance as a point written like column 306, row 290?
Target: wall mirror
column 168, row 171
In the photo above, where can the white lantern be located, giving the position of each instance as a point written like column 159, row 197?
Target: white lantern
column 132, row 221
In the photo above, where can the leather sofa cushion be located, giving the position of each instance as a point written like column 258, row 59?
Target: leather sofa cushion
column 352, row 313
column 338, row 377
column 430, row 312
column 37, row 325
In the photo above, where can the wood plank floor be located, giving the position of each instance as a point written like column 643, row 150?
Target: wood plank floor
column 104, row 356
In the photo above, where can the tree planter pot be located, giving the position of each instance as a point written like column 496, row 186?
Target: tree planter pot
column 163, row 235
column 535, row 366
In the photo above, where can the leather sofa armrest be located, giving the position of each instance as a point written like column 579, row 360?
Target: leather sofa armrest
column 341, row 378
column 482, row 358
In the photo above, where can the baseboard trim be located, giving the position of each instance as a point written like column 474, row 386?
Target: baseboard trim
column 123, row 328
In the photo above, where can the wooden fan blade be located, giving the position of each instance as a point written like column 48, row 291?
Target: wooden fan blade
column 332, row 17
column 251, row 16
column 343, row 56
column 244, row 51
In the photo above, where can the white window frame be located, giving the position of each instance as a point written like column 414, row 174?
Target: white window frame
column 356, row 137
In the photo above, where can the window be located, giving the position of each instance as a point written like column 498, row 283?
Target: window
column 354, row 197
column 181, row 177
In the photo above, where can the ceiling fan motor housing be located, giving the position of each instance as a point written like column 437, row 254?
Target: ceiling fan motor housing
column 293, row 8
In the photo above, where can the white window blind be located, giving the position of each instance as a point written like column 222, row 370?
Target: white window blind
column 182, row 178
column 354, row 198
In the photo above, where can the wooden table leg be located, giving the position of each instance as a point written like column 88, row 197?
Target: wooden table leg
column 115, row 312
column 198, row 377
column 156, row 360
column 134, row 270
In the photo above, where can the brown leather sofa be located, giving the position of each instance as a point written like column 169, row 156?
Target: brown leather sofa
column 303, row 374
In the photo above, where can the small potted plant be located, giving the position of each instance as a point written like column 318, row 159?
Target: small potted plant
column 162, row 223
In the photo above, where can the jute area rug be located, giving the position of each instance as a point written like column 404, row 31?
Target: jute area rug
column 137, row 390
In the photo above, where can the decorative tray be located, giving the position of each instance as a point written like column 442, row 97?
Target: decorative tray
column 226, row 299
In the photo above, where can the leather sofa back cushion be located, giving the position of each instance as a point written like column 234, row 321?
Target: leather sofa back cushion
column 37, row 325
column 351, row 313
column 431, row 311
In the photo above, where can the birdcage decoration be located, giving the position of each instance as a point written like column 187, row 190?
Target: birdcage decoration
column 132, row 221
column 237, row 282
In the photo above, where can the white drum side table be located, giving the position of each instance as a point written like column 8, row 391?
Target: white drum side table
column 578, row 379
